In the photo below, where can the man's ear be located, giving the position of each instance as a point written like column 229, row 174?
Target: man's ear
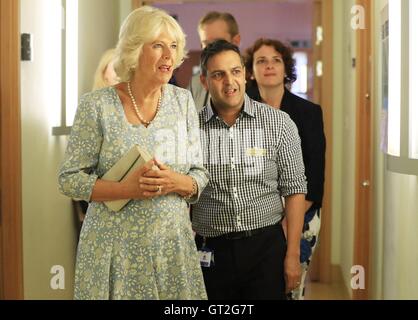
column 203, row 82
column 236, row 40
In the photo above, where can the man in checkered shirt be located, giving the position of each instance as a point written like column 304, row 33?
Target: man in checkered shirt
column 253, row 154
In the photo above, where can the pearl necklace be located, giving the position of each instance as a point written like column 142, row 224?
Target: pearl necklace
column 136, row 106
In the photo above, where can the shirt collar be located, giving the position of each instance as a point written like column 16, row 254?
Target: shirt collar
column 248, row 109
column 209, row 114
column 248, row 106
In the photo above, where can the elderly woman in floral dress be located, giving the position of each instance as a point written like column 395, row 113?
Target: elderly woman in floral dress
column 147, row 249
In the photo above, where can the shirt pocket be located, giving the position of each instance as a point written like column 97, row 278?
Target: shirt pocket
column 254, row 161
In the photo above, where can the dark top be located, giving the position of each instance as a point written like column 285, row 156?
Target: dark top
column 308, row 119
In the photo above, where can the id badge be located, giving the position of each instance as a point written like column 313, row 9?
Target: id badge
column 207, row 257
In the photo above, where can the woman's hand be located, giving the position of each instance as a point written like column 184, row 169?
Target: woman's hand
column 165, row 181
column 138, row 189
column 292, row 272
column 292, row 269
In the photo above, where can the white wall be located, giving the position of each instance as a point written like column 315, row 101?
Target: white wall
column 379, row 164
column 125, row 8
column 49, row 232
column 400, row 254
column 98, row 31
column 344, row 134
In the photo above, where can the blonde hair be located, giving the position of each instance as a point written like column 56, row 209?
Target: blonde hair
column 142, row 26
column 99, row 79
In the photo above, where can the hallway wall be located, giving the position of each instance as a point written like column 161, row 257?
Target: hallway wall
column 278, row 20
column 49, row 233
column 395, row 218
column 400, row 224
column 379, row 162
column 344, row 134
column 99, row 22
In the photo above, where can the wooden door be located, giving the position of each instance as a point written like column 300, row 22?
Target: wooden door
column 1, row 233
column 320, row 269
column 10, row 152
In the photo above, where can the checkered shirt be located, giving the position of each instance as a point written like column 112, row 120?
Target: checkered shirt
column 252, row 165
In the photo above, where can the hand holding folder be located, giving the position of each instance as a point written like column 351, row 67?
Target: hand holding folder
column 132, row 160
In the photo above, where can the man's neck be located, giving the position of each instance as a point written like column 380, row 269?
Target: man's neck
column 229, row 115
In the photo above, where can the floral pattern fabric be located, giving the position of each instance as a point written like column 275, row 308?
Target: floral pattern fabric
column 308, row 243
column 146, row 250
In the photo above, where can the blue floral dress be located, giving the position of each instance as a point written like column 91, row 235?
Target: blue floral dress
column 146, row 250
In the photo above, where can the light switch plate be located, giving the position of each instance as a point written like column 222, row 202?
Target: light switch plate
column 26, row 47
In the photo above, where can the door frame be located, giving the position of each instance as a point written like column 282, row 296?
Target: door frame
column 326, row 101
column 364, row 151
column 321, row 269
column 11, row 278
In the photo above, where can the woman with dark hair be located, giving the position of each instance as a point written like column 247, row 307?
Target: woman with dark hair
column 271, row 67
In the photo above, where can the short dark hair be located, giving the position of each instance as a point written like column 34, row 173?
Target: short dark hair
column 213, row 49
column 285, row 51
column 224, row 16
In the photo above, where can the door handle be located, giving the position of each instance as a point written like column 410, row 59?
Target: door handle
column 365, row 184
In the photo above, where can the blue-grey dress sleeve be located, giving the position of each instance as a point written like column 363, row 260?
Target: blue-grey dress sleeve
column 77, row 175
column 292, row 179
column 195, row 155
